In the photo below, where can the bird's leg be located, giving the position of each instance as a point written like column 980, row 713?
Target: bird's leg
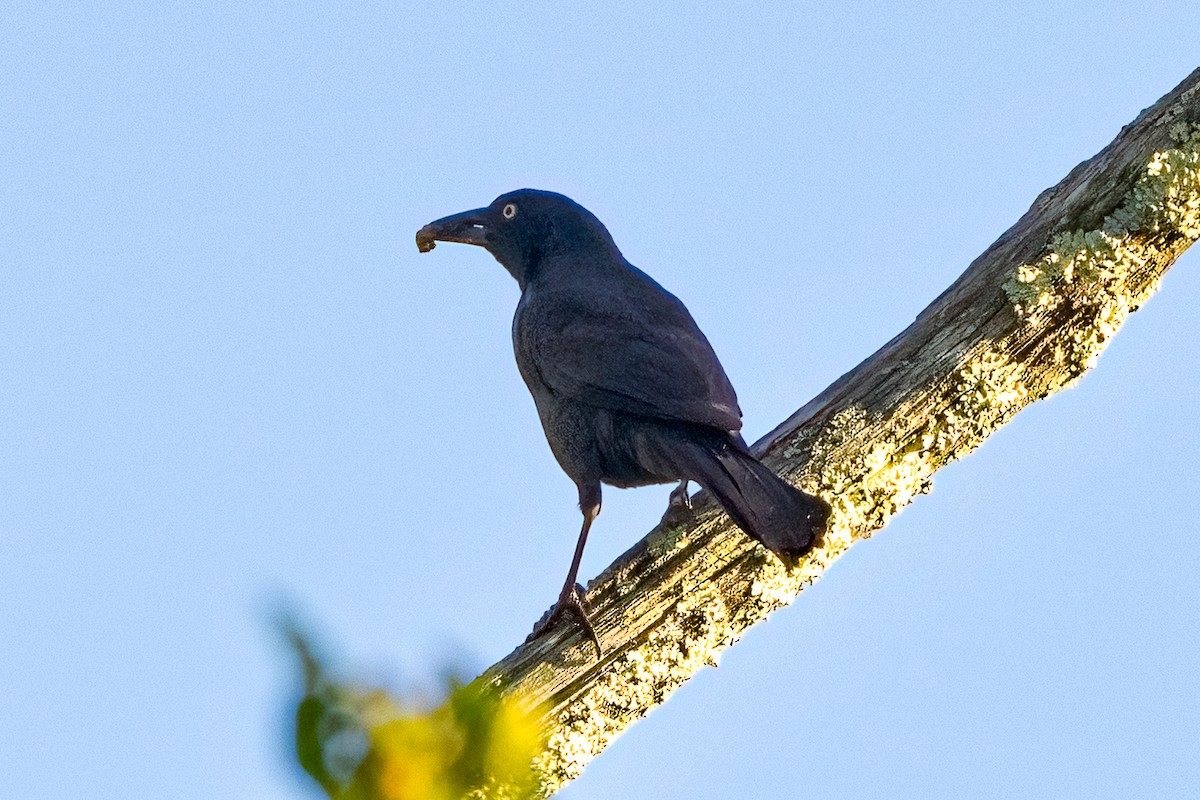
column 680, row 497
column 678, row 505
column 572, row 599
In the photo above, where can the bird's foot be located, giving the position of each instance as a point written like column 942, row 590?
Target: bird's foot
column 679, row 506
column 574, row 603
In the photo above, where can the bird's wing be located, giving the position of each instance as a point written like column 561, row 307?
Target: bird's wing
column 657, row 365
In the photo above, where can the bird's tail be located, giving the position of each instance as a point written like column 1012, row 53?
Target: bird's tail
column 784, row 519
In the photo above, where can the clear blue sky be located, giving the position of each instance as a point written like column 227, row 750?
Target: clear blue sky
column 227, row 378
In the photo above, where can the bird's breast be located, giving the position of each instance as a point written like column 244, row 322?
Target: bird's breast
column 524, row 350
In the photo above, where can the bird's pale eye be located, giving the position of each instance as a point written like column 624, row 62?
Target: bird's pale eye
column 510, row 210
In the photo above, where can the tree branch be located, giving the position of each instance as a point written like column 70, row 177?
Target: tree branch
column 1025, row 320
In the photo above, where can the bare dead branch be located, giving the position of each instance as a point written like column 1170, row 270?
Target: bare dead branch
column 1025, row 320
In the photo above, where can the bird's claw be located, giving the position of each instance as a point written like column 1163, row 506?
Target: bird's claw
column 679, row 505
column 574, row 603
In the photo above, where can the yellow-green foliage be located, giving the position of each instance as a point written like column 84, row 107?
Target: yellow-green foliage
column 474, row 744
column 367, row 745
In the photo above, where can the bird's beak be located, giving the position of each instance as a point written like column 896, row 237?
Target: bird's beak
column 469, row 227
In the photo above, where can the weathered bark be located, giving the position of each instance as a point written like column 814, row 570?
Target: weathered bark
column 1026, row 319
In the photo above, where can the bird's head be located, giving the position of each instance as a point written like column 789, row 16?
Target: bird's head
column 521, row 229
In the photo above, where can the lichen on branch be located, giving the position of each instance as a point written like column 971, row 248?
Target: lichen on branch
column 1015, row 332
column 1024, row 321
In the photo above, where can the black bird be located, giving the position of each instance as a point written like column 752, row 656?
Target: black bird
column 629, row 391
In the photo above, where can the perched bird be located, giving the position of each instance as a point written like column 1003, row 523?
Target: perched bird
column 629, row 391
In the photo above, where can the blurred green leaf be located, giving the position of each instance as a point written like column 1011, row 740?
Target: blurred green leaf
column 361, row 744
